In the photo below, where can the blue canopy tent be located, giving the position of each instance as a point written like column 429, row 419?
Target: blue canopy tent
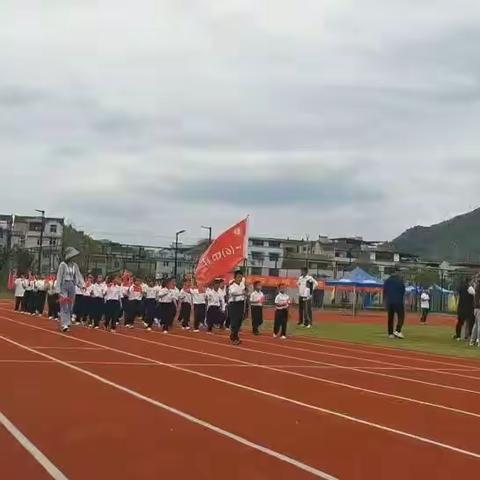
column 355, row 279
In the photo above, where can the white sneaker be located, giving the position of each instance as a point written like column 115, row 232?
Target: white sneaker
column 149, row 329
column 196, row 331
column 399, row 334
column 308, row 326
column 65, row 329
column 97, row 327
column 165, row 332
column 145, row 324
column 391, row 336
column 283, row 337
column 50, row 318
column 274, row 336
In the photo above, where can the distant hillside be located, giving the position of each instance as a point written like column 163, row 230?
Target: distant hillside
column 455, row 240
column 80, row 240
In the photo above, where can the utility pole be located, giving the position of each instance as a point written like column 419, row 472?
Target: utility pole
column 175, row 268
column 209, row 233
column 40, row 250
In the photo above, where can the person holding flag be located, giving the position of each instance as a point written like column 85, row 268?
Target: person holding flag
column 224, row 254
column 237, row 296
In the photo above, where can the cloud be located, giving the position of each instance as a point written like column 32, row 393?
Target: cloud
column 346, row 117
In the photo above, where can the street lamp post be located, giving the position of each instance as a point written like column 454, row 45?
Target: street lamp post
column 40, row 250
column 175, row 268
column 209, row 233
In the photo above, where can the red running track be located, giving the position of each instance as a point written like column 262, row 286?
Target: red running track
column 144, row 405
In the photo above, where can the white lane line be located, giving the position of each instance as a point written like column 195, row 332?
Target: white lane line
column 407, row 356
column 342, row 367
column 42, row 347
column 440, row 371
column 309, row 377
column 272, row 453
column 45, row 463
column 261, row 392
column 378, row 350
column 23, row 361
column 212, row 365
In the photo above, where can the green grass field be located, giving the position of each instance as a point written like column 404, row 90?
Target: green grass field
column 428, row 338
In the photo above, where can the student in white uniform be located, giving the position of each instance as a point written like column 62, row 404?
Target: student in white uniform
column 185, row 305
column 87, row 302
column 151, row 297
column 40, row 296
column 223, row 320
column 215, row 305
column 282, row 304
column 425, row 306
column 199, row 307
column 237, row 296
column 29, row 295
column 52, row 299
column 257, row 299
column 135, row 296
column 305, row 281
column 99, row 289
column 113, row 298
column 168, row 304
column 20, row 293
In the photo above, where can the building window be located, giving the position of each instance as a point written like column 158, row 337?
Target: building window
column 257, row 256
column 35, row 227
column 256, row 270
column 274, row 272
column 1, row 232
column 53, row 241
column 273, row 257
column 38, row 242
column 274, row 244
column 257, row 243
column 53, row 228
column 166, row 264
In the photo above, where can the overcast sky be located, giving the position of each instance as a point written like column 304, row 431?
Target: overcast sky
column 338, row 117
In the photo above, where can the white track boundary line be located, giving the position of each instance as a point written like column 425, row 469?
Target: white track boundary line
column 343, row 367
column 309, row 377
column 272, row 453
column 257, row 391
column 41, row 347
column 440, row 371
column 41, row 459
column 364, row 348
column 378, row 349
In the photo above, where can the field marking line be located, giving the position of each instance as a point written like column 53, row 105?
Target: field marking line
column 197, row 421
column 365, row 349
column 309, row 377
column 378, row 349
column 41, row 459
column 242, row 387
column 341, row 367
column 42, row 347
column 441, row 371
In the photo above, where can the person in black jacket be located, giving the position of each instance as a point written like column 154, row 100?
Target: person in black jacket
column 394, row 297
column 465, row 310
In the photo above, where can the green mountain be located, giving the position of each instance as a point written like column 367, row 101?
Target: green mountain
column 456, row 240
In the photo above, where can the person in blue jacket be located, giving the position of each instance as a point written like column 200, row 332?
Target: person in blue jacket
column 394, row 298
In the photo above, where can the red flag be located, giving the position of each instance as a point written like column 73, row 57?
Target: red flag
column 224, row 254
column 12, row 276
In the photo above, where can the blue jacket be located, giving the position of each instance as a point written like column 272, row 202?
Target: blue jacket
column 394, row 290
